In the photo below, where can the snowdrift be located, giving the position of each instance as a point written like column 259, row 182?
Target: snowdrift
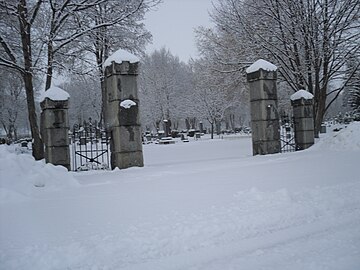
column 346, row 139
column 22, row 176
column 206, row 204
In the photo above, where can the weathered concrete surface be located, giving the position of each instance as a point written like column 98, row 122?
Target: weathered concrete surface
column 304, row 123
column 266, row 130
column 123, row 122
column 55, row 131
column 124, row 160
column 264, row 112
column 58, row 156
column 125, row 138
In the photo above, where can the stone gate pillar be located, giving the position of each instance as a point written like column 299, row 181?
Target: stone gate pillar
column 55, row 126
column 122, row 110
column 265, row 126
column 302, row 103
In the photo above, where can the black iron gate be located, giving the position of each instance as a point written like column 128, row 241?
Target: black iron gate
column 287, row 134
column 89, row 147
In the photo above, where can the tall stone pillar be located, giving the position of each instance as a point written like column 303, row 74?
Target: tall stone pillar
column 55, row 126
column 122, row 110
column 265, row 126
column 302, row 103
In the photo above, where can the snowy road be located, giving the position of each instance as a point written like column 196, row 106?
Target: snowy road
column 201, row 205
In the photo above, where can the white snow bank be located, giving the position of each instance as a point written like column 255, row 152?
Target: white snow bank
column 347, row 139
column 127, row 103
column 261, row 64
column 301, row 94
column 215, row 208
column 23, row 177
column 55, row 93
column 121, row 56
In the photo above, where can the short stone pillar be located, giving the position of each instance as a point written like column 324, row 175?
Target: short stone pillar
column 265, row 126
column 302, row 103
column 55, row 126
column 122, row 110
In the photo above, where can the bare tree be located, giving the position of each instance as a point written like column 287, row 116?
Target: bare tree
column 165, row 82
column 49, row 33
column 310, row 40
column 12, row 103
column 213, row 95
column 17, row 20
column 85, row 97
column 353, row 86
column 127, row 31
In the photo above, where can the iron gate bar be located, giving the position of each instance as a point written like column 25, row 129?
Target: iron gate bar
column 288, row 143
column 91, row 159
column 89, row 155
column 287, row 134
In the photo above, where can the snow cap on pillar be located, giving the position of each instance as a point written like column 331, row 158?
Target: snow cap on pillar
column 301, row 94
column 121, row 62
column 261, row 70
column 301, row 98
column 121, row 56
column 55, row 94
column 261, row 64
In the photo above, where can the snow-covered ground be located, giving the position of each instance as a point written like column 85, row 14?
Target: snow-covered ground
column 206, row 204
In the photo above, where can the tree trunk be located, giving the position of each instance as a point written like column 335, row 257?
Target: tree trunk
column 49, row 70
column 320, row 112
column 187, row 123
column 15, row 133
column 321, row 102
column 102, row 53
column 25, row 30
column 218, row 127
column 103, row 103
column 212, row 130
column 38, row 146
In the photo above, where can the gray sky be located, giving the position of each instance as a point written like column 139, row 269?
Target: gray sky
column 172, row 24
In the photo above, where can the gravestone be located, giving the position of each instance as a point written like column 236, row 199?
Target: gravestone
column 55, row 126
column 265, row 126
column 302, row 103
column 201, row 127
column 122, row 118
column 167, row 128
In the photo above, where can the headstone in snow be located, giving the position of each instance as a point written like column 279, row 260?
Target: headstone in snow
column 55, row 126
column 121, row 110
column 302, row 103
column 265, row 127
column 201, row 127
column 167, row 127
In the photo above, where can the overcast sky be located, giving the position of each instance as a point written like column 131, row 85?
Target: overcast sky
column 172, row 25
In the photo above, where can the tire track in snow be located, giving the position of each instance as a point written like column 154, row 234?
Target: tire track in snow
column 249, row 250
